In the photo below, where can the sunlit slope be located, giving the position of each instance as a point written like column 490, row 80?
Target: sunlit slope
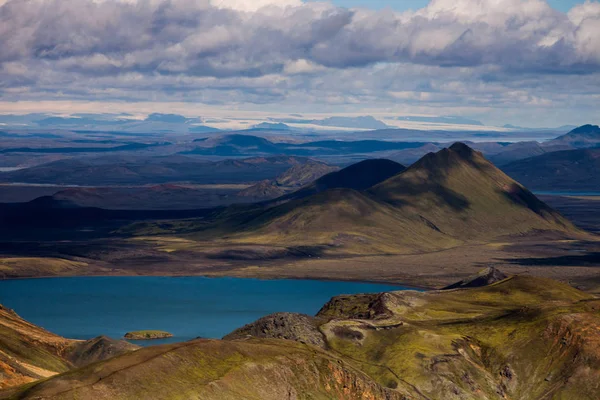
column 522, row 338
column 342, row 220
column 465, row 196
column 445, row 199
column 29, row 353
column 215, row 370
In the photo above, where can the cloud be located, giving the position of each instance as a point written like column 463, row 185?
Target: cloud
column 261, row 51
column 254, row 5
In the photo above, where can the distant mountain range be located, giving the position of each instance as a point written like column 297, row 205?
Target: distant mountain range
column 239, row 144
column 570, row 170
column 152, row 170
column 583, row 137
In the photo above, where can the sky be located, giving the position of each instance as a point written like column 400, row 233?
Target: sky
column 403, row 5
column 532, row 63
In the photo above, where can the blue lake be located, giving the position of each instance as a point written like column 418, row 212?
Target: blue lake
column 188, row 307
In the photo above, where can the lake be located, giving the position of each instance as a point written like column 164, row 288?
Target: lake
column 188, row 307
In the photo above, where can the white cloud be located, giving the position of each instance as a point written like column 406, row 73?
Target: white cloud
column 230, row 52
column 254, row 5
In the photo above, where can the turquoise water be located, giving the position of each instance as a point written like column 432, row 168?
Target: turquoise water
column 188, row 307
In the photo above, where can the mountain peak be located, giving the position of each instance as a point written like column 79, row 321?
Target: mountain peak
column 463, row 150
column 455, row 155
column 584, row 129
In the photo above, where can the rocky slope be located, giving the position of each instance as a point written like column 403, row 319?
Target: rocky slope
column 291, row 180
column 29, row 353
column 519, row 338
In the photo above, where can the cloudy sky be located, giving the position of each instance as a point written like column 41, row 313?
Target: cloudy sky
column 525, row 62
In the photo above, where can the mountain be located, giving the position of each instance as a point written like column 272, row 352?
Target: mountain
column 520, row 338
column 364, row 122
column 583, row 137
column 292, row 179
column 152, row 170
column 29, row 353
column 235, row 145
column 359, row 176
column 571, row 170
column 447, row 198
column 409, row 156
column 442, row 120
column 272, row 126
column 461, row 194
column 152, row 197
column 243, row 144
column 517, row 151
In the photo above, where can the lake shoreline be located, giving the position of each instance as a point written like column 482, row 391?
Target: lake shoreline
column 219, row 276
column 188, row 307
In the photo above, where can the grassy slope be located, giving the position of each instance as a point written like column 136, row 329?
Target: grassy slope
column 215, row 370
column 522, row 338
column 444, row 200
column 465, row 196
column 28, row 352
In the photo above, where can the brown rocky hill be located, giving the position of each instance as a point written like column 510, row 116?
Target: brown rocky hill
column 29, row 353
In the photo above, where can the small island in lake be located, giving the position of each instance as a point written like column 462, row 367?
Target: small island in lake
column 147, row 335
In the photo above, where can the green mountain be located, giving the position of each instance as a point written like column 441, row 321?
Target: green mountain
column 444, row 200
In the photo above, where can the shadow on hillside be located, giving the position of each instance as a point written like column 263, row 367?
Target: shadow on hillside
column 525, row 198
column 438, row 194
column 575, row 260
column 249, row 254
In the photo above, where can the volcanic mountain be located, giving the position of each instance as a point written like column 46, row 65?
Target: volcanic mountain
column 576, row 170
column 444, row 200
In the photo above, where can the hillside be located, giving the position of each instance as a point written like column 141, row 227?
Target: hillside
column 517, row 151
column 359, row 176
column 152, row 170
column 443, row 200
column 446, row 199
column 234, row 145
column 151, row 197
column 292, row 179
column 585, row 136
column 28, row 352
column 464, row 196
column 571, row 170
column 521, row 338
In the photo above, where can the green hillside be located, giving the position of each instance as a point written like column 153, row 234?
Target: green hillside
column 520, row 338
